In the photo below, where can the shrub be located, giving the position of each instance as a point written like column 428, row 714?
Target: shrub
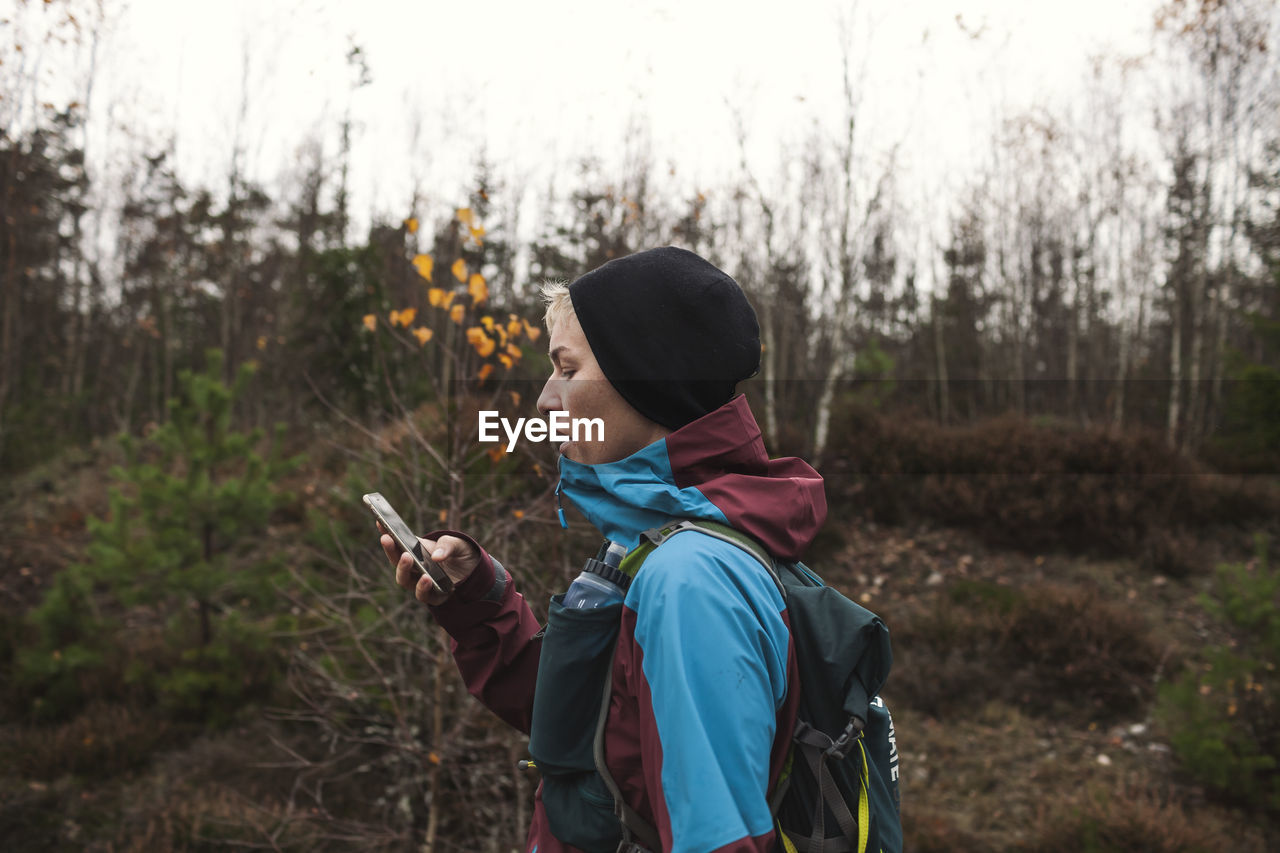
column 397, row 753
column 71, row 659
column 931, row 833
column 1061, row 649
column 1033, row 487
column 1136, row 821
column 171, row 552
column 105, row 739
column 1175, row 554
column 1221, row 713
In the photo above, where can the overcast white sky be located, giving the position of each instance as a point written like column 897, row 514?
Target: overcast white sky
column 537, row 84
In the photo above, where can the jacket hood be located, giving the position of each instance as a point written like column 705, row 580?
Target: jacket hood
column 713, row 468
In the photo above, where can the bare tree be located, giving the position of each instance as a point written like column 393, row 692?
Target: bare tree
column 859, row 197
column 1230, row 89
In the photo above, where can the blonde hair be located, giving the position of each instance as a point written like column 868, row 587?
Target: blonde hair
column 555, row 295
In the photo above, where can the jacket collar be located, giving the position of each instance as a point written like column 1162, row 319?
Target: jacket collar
column 713, row 468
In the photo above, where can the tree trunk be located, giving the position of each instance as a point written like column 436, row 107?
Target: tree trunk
column 1195, row 368
column 206, row 627
column 1019, row 348
column 1073, row 345
column 770, row 366
column 940, row 355
column 11, row 308
column 124, row 415
column 73, row 374
column 825, row 400
column 1175, row 373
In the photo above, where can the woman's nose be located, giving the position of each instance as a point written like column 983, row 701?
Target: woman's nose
column 549, row 400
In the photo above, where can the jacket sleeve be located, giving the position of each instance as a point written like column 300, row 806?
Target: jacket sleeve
column 711, row 651
column 495, row 639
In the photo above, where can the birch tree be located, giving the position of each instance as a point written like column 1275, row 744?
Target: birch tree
column 1230, row 92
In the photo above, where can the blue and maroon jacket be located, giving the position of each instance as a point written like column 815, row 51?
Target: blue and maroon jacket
column 704, row 688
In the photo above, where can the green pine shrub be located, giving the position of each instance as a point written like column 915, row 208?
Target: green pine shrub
column 1221, row 714
column 174, row 560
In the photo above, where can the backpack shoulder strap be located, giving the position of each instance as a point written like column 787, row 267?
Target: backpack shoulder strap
column 658, row 535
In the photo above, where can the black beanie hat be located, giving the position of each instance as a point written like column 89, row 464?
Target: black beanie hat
column 671, row 332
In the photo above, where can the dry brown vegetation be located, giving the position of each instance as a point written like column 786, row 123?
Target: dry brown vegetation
column 1022, row 688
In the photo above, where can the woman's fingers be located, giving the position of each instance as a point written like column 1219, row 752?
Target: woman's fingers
column 456, row 556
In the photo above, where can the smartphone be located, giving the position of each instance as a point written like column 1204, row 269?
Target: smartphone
column 407, row 541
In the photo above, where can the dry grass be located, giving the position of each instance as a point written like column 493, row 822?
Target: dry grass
column 1051, row 648
column 104, row 740
column 1132, row 818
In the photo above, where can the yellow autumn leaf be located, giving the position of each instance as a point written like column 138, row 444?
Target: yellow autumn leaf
column 513, row 328
column 502, row 336
column 403, row 317
column 459, row 269
column 435, row 296
column 443, row 516
column 433, row 758
column 477, row 234
column 514, row 351
column 370, row 322
column 518, row 513
column 447, row 299
column 482, row 342
column 411, row 225
column 262, row 342
column 478, row 289
column 487, row 322
column 423, row 335
column 465, row 216
column 515, row 399
column 485, row 371
column 532, row 331
column 496, row 453
column 455, row 314
column 424, row 264
column 506, row 360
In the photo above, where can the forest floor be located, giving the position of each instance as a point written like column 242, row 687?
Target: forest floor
column 987, row 763
column 1003, row 774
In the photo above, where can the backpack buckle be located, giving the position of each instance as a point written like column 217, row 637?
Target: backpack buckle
column 851, row 733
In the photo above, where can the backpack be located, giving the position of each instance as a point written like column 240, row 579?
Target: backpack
column 838, row 791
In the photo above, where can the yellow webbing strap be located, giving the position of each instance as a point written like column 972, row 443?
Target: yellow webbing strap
column 864, row 802
column 787, row 845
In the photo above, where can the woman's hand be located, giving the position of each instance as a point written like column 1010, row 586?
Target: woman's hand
column 456, row 556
